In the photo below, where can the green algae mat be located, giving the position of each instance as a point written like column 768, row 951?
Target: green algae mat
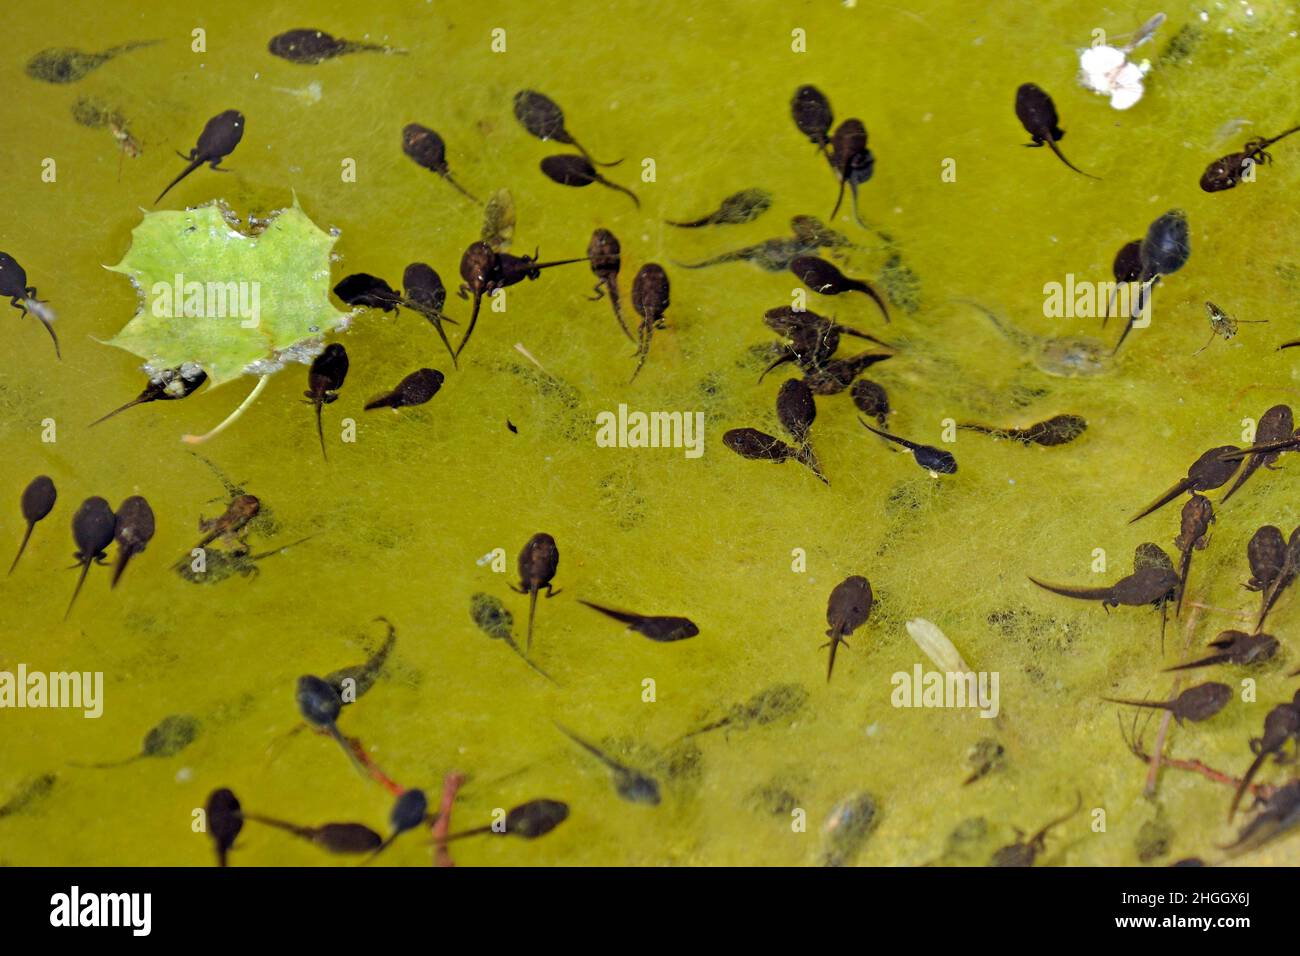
column 392, row 557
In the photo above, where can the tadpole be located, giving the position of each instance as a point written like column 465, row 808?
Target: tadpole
column 14, row 287
column 133, row 530
column 538, row 561
column 169, row 737
column 416, row 389
column 542, row 117
column 37, row 502
column 604, row 253
column 1037, row 114
column 92, row 530
column 630, row 784
column 426, row 294
column 847, row 610
column 811, row 111
column 1195, row 704
column 324, row 379
column 225, row 820
column 1227, row 171
column 569, row 170
column 320, row 705
column 168, row 385
column 737, row 209
column 650, row 300
column 427, row 150
column 825, row 279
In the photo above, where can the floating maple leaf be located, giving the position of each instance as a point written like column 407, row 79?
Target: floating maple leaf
column 231, row 302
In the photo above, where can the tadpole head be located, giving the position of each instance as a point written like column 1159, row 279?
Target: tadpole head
column 477, row 265
column 134, row 524
column 536, row 818
column 795, row 408
column 1167, row 245
column 409, row 811
column 540, row 116
column 92, row 527
column 650, row 292
column 569, row 170
column 38, row 498
column 423, row 287
column 812, row 115
column 425, row 147
column 604, row 253
column 318, row 702
column 328, row 370
column 539, row 560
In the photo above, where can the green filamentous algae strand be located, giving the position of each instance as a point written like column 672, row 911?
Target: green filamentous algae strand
column 410, row 581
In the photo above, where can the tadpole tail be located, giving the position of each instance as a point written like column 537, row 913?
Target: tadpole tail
column 1203, row 662
column 305, row 833
column 27, row 536
column 383, row 401
column 1156, row 704
column 1245, row 782
column 1183, row 571
column 853, row 189
column 1163, row 500
column 320, row 431
column 477, row 831
column 845, row 330
column 124, row 555
column 85, row 569
column 590, row 158
column 623, row 189
column 870, row 290
column 194, row 164
column 118, row 411
column 1061, row 156
column 469, row 329
column 532, row 613
column 347, row 749
column 1269, row 142
column 1065, row 590
column 779, row 361
column 49, row 327
column 1289, row 345
column 514, row 646
column 839, row 199
column 437, row 325
column 618, row 309
column 830, row 664
column 107, row 764
column 461, row 189
column 693, row 224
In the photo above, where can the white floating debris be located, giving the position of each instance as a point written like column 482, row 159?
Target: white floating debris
column 1107, row 70
column 936, row 645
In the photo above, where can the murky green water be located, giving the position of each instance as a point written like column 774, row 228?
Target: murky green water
column 398, row 519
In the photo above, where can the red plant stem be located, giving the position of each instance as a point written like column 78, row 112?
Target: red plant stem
column 442, row 825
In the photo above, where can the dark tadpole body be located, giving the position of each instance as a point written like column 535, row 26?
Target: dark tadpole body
column 1165, row 249
column 1227, row 171
column 765, row 707
column 218, row 140
column 37, row 502
column 1236, row 647
column 133, row 530
column 737, row 209
column 92, row 529
column 1148, row 585
column 758, row 446
column 529, row 820
column 1275, row 425
column 1195, row 704
column 427, row 150
column 371, row 292
column 14, row 287
column 852, row 162
column 871, row 399
column 495, row 620
column 1127, row 269
column 416, row 389
column 538, row 561
column 309, row 47
column 1057, row 430
column 542, row 117
column 225, row 820
column 1212, row 470
column 1037, row 114
column 168, row 385
column 569, row 170
column 630, row 784
column 650, row 300
column 410, row 810
column 1197, row 516
column 812, row 115
column 1024, row 852
column 1281, row 724
column 324, row 379
column 320, row 705
column 604, row 253
column 796, row 410
column 661, row 629
column 477, row 271
column 847, row 610
column 426, row 294
column 927, row 456
column 825, row 279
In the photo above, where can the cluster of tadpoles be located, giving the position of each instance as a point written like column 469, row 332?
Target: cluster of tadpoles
column 542, row 117
column 95, row 527
column 845, row 149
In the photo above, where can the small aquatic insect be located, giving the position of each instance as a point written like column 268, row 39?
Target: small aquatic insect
column 630, row 784
column 1227, row 171
column 1277, row 814
column 340, row 838
column 1223, row 326
column 538, row 562
column 650, row 301
column 410, row 810
column 736, row 210
column 228, row 525
column 169, row 737
column 499, row 220
column 1195, row 704
column 320, row 705
column 1236, row 647
column 350, row 683
column 426, row 149
column 426, row 294
column 37, row 502
column 823, row 278
column 495, row 620
column 168, row 385
column 576, row 171
column 68, row 64
column 1024, row 852
column 133, row 530
column 1057, row 430
column 372, row 292
column 1275, row 425
column 847, row 610
column 847, row 828
column 871, row 399
column 1281, row 724
column 416, row 389
column 811, row 111
column 1198, row 515
column 92, row 529
column 225, row 820
column 218, row 140
column 1037, row 114
column 543, row 118
column 528, row 820
column 767, row 706
column 316, row 46
column 1165, row 249
column 932, row 459
column 662, row 629
column 1208, row 472
column 1147, row 585
column 1127, row 269
column 852, row 162
column 14, row 287
column 604, row 253
column 324, row 379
